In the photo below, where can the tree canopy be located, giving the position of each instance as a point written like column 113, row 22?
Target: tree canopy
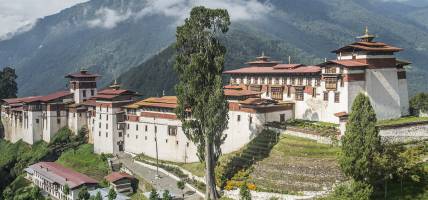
column 8, row 85
column 361, row 142
column 199, row 65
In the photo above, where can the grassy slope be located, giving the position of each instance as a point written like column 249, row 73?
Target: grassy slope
column 297, row 164
column 402, row 120
column 85, row 161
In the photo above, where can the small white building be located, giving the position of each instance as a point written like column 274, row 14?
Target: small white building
column 52, row 178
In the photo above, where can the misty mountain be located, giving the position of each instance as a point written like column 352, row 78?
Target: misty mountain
column 134, row 38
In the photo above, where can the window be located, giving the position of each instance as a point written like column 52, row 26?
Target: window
column 127, row 135
column 238, row 118
column 187, row 144
column 37, row 121
column 107, row 134
column 166, row 141
column 325, row 96
column 145, row 128
column 336, row 97
column 172, row 130
column 330, row 83
column 99, row 133
column 300, row 81
column 276, row 92
column 145, row 137
column 106, row 116
column 293, row 81
column 58, row 113
column 342, row 83
column 106, row 126
column 251, row 120
column 58, row 121
column 156, row 129
column 330, row 70
column 127, row 126
column 232, row 81
column 299, row 94
column 92, row 92
column 136, row 136
column 282, row 117
column 288, row 91
column 84, row 93
column 276, row 81
column 99, row 116
column 136, row 127
column 317, row 82
column 314, row 92
column 176, row 142
column 120, row 134
column 74, row 114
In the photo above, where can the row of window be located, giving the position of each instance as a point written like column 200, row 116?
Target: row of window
column 172, row 130
column 277, row 81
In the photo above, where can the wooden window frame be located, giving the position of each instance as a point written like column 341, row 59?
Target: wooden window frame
column 337, row 97
column 325, row 96
column 299, row 94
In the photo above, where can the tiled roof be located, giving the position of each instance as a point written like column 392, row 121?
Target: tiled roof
column 234, row 87
column 232, row 92
column 55, row 95
column 346, row 63
column 273, row 70
column 341, row 114
column 286, row 66
column 111, row 93
column 82, row 74
column 162, row 102
column 117, row 176
column 368, row 46
column 20, row 100
column 61, row 175
column 257, row 101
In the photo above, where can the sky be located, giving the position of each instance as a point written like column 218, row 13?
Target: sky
column 15, row 14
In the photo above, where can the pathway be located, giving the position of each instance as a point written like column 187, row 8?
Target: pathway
column 164, row 183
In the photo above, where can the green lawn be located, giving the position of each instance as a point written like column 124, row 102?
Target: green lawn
column 296, row 164
column 402, row 120
column 85, row 161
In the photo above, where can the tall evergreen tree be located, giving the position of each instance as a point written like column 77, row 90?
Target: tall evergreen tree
column 200, row 64
column 8, row 85
column 361, row 142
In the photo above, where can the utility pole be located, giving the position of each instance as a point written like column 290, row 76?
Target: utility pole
column 157, row 154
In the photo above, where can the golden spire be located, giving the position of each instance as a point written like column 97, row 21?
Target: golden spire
column 367, row 37
column 115, row 85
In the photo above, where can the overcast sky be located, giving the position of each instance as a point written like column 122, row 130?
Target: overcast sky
column 18, row 13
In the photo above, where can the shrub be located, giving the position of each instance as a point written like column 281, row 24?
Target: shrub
column 351, row 191
column 419, row 103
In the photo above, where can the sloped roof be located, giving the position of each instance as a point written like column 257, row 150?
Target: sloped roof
column 114, row 176
column 55, row 95
column 162, row 102
column 233, row 92
column 368, row 46
column 61, row 175
column 346, row 63
column 273, row 70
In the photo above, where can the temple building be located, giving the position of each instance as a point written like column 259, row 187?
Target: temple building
column 118, row 120
column 325, row 92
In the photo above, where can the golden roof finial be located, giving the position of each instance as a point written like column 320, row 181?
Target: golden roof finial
column 367, row 37
column 367, row 31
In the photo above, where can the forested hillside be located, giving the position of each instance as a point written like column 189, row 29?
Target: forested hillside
column 111, row 36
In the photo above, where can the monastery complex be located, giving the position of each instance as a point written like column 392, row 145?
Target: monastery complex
column 118, row 120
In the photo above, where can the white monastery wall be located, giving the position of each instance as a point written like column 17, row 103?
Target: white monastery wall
column 404, row 96
column 382, row 88
column 53, row 123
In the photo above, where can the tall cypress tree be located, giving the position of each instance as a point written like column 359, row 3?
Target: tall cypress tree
column 361, row 142
column 200, row 64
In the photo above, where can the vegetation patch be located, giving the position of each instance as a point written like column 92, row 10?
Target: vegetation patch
column 85, row 161
column 313, row 127
column 402, row 120
column 296, row 164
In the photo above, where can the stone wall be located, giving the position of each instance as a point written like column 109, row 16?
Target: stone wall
column 405, row 132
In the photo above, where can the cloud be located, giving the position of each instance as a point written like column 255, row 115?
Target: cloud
column 15, row 14
column 238, row 9
column 180, row 9
column 108, row 18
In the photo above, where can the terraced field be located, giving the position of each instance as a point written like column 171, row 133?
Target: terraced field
column 297, row 164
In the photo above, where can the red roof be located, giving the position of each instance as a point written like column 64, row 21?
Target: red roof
column 115, row 176
column 55, row 95
column 82, row 74
column 341, row 114
column 31, row 99
column 286, row 66
column 62, row 175
column 234, row 87
column 273, row 70
column 346, row 63
column 111, row 93
column 161, row 102
column 21, row 100
column 368, row 46
column 258, row 101
column 232, row 92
